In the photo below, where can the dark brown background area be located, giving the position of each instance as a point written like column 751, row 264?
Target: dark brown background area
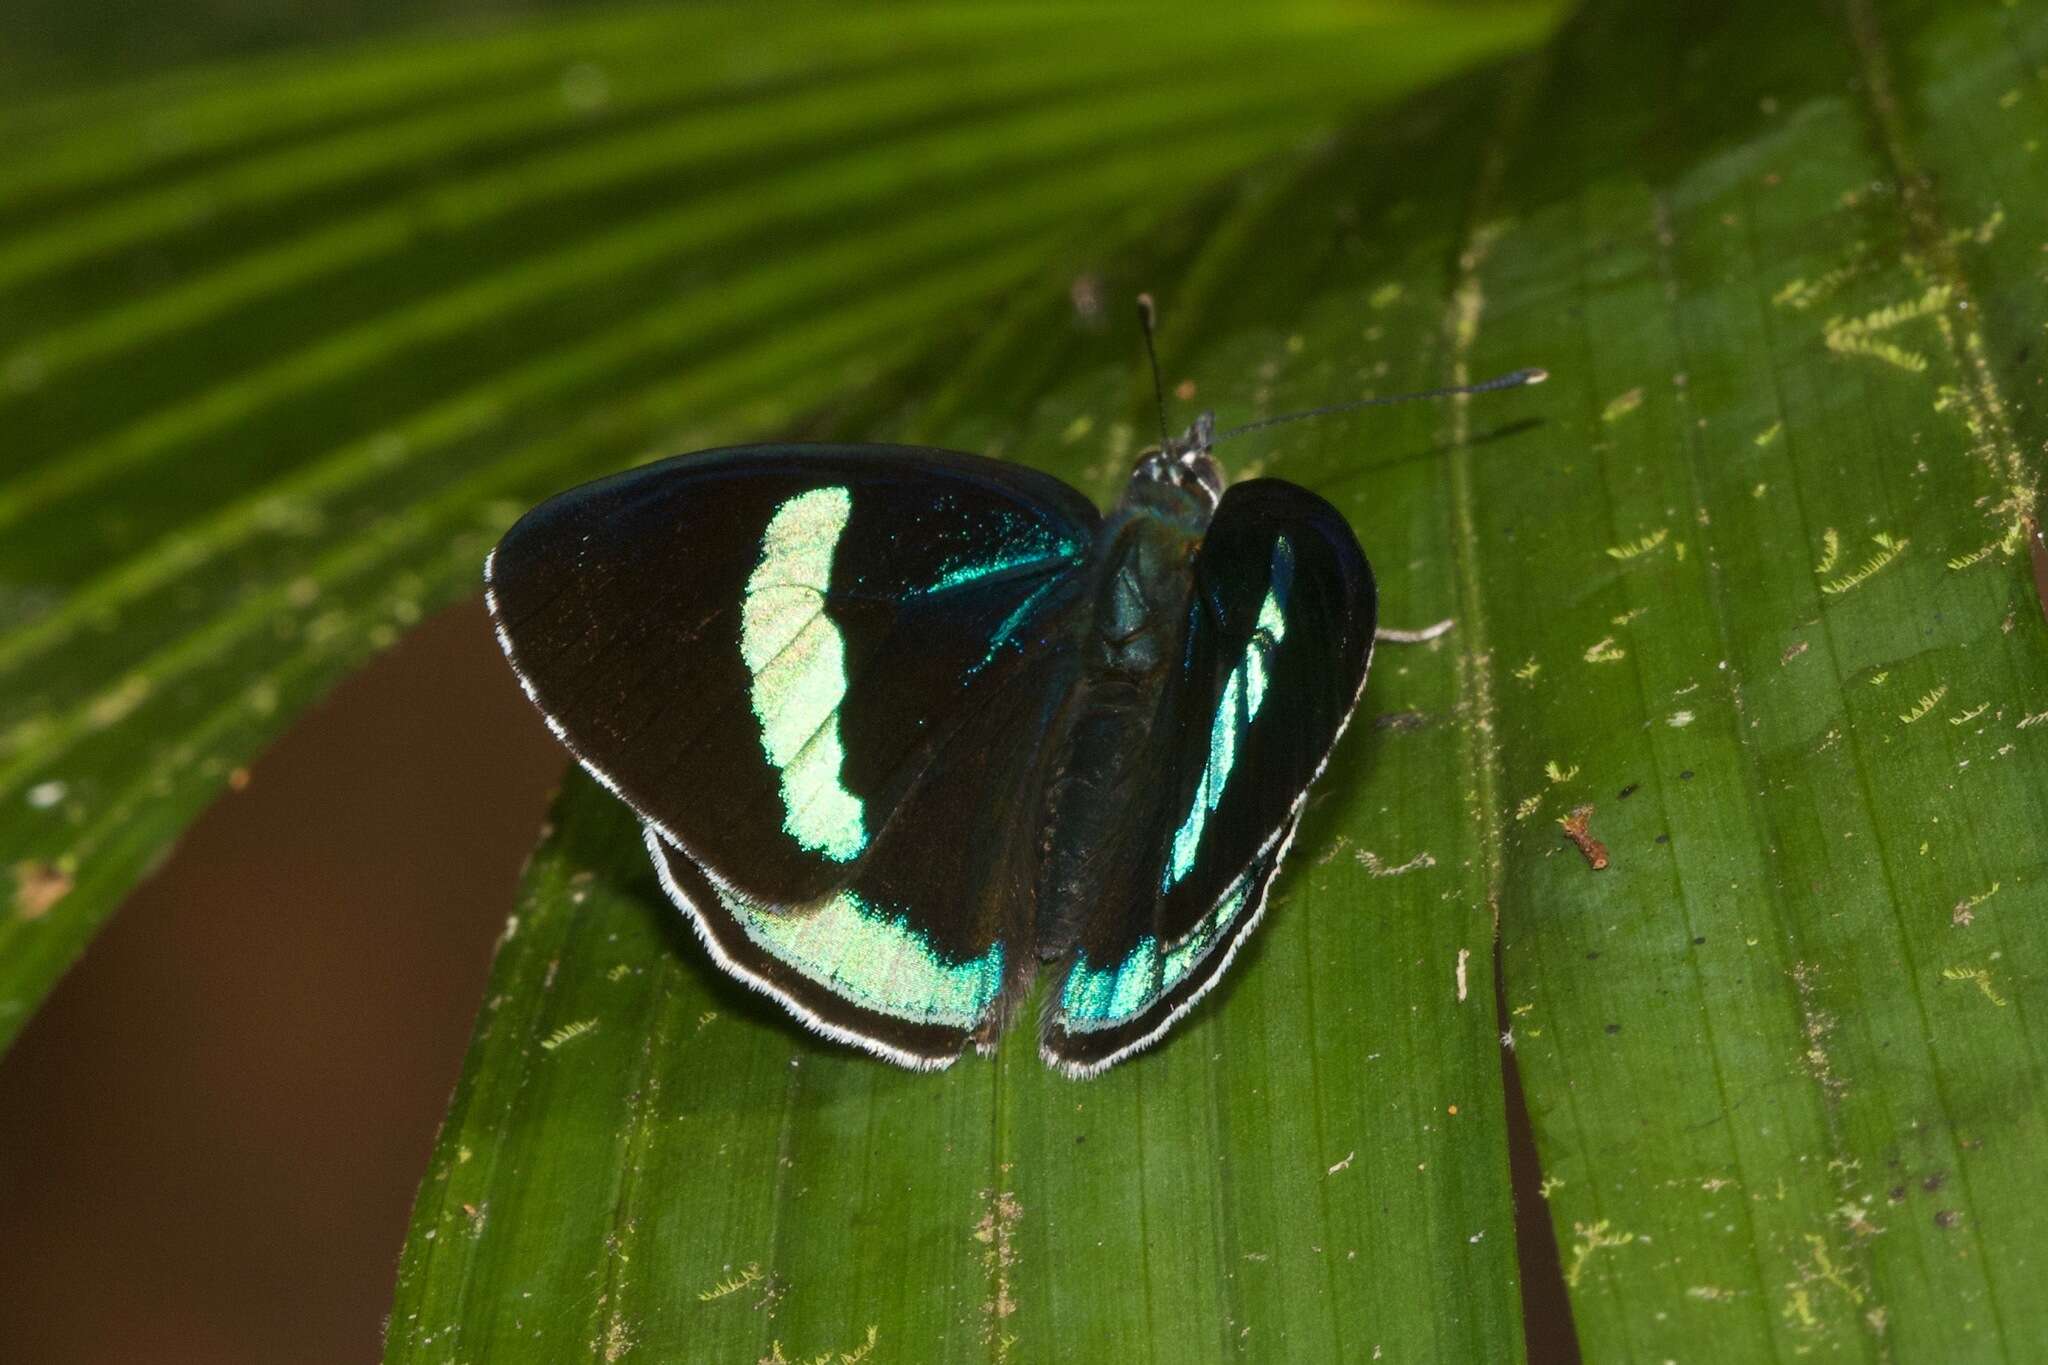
column 211, row 1135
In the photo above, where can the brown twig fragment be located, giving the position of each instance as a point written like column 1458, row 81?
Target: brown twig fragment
column 1574, row 827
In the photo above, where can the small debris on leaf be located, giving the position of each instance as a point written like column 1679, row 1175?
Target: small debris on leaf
column 38, row 885
column 1622, row 405
column 1377, row 867
column 1574, row 827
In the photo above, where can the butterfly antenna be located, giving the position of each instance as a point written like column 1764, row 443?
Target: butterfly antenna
column 1148, row 320
column 1519, row 379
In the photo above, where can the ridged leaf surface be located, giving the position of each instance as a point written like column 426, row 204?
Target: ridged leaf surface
column 1749, row 596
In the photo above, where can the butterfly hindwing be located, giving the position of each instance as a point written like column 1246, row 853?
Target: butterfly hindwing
column 812, row 672
column 1278, row 640
column 839, row 970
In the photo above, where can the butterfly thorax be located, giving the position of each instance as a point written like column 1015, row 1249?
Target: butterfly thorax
column 1101, row 797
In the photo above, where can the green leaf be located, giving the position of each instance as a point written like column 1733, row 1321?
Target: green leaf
column 1755, row 579
column 659, row 1159
column 1784, row 1054
column 644, row 1157
column 286, row 343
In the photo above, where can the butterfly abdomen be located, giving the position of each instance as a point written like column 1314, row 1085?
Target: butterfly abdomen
column 1105, row 807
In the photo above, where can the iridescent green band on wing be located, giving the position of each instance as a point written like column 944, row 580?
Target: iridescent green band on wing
column 1244, row 692
column 1104, row 997
column 798, row 662
column 875, row 959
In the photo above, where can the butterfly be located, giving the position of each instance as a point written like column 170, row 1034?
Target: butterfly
column 906, row 727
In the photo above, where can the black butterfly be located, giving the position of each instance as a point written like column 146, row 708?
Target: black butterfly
column 906, row 725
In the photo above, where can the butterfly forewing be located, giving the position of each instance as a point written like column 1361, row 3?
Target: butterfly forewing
column 814, row 672
column 1277, row 643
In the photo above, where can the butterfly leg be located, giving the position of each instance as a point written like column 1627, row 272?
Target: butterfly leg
column 1387, row 635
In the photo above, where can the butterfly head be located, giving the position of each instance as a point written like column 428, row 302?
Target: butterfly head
column 1186, row 463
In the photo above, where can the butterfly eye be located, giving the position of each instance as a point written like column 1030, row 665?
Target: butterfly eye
column 1200, row 471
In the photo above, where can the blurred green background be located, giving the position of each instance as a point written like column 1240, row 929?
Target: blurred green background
column 53, row 45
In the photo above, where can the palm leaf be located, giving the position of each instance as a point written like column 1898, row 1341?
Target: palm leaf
column 1749, row 598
